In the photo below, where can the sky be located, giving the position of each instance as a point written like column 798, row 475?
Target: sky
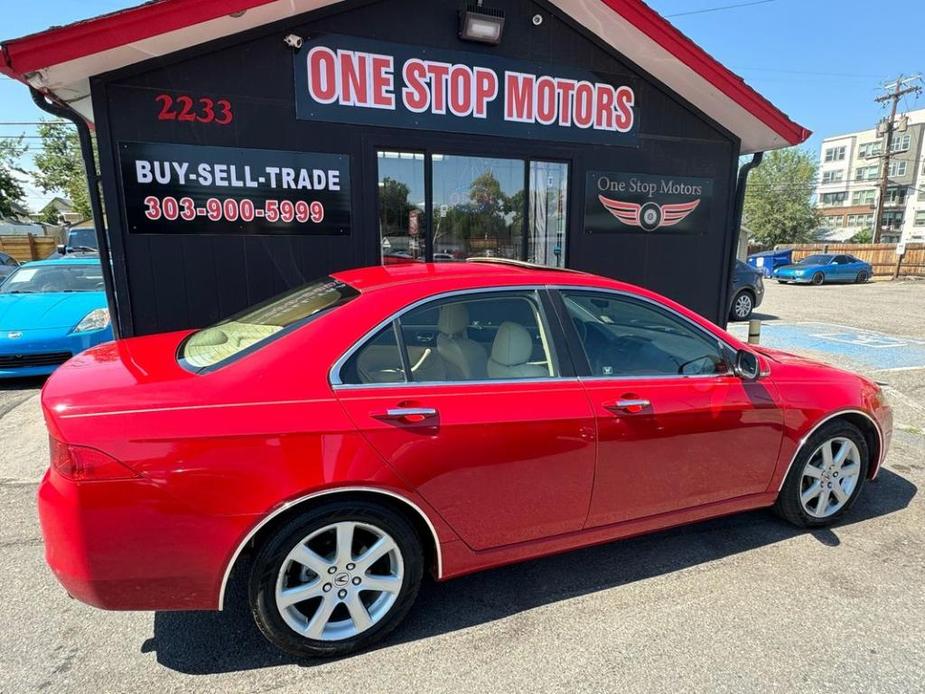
column 819, row 61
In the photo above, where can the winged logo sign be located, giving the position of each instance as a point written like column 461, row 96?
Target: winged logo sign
column 618, row 202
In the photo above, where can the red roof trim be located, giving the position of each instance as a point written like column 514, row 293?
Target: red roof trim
column 24, row 55
column 660, row 30
column 60, row 44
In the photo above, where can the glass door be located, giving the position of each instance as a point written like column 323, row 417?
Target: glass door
column 402, row 207
column 442, row 207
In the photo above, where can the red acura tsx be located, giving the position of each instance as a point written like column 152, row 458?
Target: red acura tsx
column 338, row 441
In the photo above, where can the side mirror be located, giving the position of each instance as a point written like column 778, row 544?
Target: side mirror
column 747, row 367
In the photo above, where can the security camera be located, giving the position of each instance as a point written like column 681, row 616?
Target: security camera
column 293, row 41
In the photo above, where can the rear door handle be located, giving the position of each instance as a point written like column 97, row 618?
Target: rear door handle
column 407, row 414
column 628, row 405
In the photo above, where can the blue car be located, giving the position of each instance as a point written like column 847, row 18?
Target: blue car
column 49, row 311
column 816, row 269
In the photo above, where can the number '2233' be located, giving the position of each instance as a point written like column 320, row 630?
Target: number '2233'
column 203, row 110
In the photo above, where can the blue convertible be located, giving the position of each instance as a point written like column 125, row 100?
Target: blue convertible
column 49, row 311
column 816, row 269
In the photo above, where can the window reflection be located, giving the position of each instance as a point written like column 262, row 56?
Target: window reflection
column 478, row 207
column 548, row 198
column 401, row 206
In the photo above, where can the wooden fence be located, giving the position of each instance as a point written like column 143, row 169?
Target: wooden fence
column 28, row 247
column 882, row 256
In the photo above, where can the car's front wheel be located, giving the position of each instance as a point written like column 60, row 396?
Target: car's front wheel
column 826, row 477
column 742, row 305
column 818, row 279
column 862, row 277
column 336, row 579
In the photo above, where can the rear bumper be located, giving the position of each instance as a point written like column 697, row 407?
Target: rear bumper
column 126, row 545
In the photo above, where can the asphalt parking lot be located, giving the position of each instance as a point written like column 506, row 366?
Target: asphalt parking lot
column 745, row 603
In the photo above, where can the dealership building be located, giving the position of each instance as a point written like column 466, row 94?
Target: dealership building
column 248, row 146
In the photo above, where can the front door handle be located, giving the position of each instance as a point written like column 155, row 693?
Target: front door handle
column 408, row 414
column 628, row 405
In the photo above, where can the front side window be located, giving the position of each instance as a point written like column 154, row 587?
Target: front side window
column 816, row 260
column 30, row 279
column 624, row 337
column 480, row 337
column 255, row 326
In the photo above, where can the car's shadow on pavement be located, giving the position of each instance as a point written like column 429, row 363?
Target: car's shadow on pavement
column 217, row 642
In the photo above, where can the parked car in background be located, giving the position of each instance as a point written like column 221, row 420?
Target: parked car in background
column 51, row 310
column 747, row 291
column 330, row 446
column 817, row 269
column 81, row 240
column 7, row 265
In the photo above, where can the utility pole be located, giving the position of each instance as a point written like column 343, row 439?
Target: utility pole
column 896, row 90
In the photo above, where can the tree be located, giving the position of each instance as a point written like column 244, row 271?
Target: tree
column 778, row 198
column 11, row 190
column 60, row 166
column 863, row 236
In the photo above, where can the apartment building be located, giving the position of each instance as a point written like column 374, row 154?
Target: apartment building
column 849, row 182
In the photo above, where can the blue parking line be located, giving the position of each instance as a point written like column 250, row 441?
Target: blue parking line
column 867, row 348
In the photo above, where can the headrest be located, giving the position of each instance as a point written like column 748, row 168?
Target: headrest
column 453, row 319
column 512, row 346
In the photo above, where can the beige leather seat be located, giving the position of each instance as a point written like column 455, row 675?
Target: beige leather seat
column 510, row 353
column 464, row 359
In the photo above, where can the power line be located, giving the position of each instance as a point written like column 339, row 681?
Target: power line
column 720, row 8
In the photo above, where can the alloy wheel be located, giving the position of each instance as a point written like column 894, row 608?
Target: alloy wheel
column 743, row 306
column 830, row 477
column 339, row 581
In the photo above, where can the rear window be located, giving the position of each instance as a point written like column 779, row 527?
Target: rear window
column 251, row 329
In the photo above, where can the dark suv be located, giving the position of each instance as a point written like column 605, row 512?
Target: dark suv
column 747, row 291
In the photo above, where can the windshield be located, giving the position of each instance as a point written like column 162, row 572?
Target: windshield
column 256, row 326
column 54, row 278
column 816, row 260
column 81, row 239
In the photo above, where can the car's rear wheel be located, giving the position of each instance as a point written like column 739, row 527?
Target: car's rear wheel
column 782, row 281
column 862, row 277
column 826, row 477
column 336, row 579
column 818, row 278
column 742, row 305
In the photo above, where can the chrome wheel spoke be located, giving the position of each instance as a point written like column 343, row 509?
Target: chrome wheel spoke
column 822, row 503
column 382, row 547
column 811, row 493
column 320, row 619
column 826, row 450
column 812, row 471
column 382, row 584
column 358, row 612
column 306, row 557
column 344, row 543
column 292, row 596
column 850, row 470
column 839, row 493
column 843, row 452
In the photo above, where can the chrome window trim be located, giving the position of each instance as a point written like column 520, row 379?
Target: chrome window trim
column 828, row 418
column 334, row 372
column 326, row 492
column 684, row 319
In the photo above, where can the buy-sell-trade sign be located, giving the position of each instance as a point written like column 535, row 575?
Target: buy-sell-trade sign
column 345, row 79
column 646, row 203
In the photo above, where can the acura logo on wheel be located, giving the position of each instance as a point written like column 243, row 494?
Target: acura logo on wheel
column 341, row 580
column 649, row 216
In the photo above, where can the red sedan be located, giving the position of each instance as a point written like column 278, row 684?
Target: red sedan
column 333, row 444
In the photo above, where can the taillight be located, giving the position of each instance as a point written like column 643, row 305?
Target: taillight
column 82, row 464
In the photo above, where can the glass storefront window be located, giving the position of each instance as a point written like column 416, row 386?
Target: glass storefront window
column 401, row 206
column 546, row 223
column 478, row 207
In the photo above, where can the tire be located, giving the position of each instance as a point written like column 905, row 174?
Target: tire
column 806, row 514
column 334, row 602
column 782, row 281
column 742, row 306
column 862, row 277
column 818, row 279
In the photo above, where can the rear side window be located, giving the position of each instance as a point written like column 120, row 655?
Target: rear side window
column 254, row 327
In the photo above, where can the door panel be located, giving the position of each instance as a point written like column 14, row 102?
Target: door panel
column 699, row 440
column 502, row 463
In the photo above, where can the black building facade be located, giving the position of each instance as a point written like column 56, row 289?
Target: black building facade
column 365, row 132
